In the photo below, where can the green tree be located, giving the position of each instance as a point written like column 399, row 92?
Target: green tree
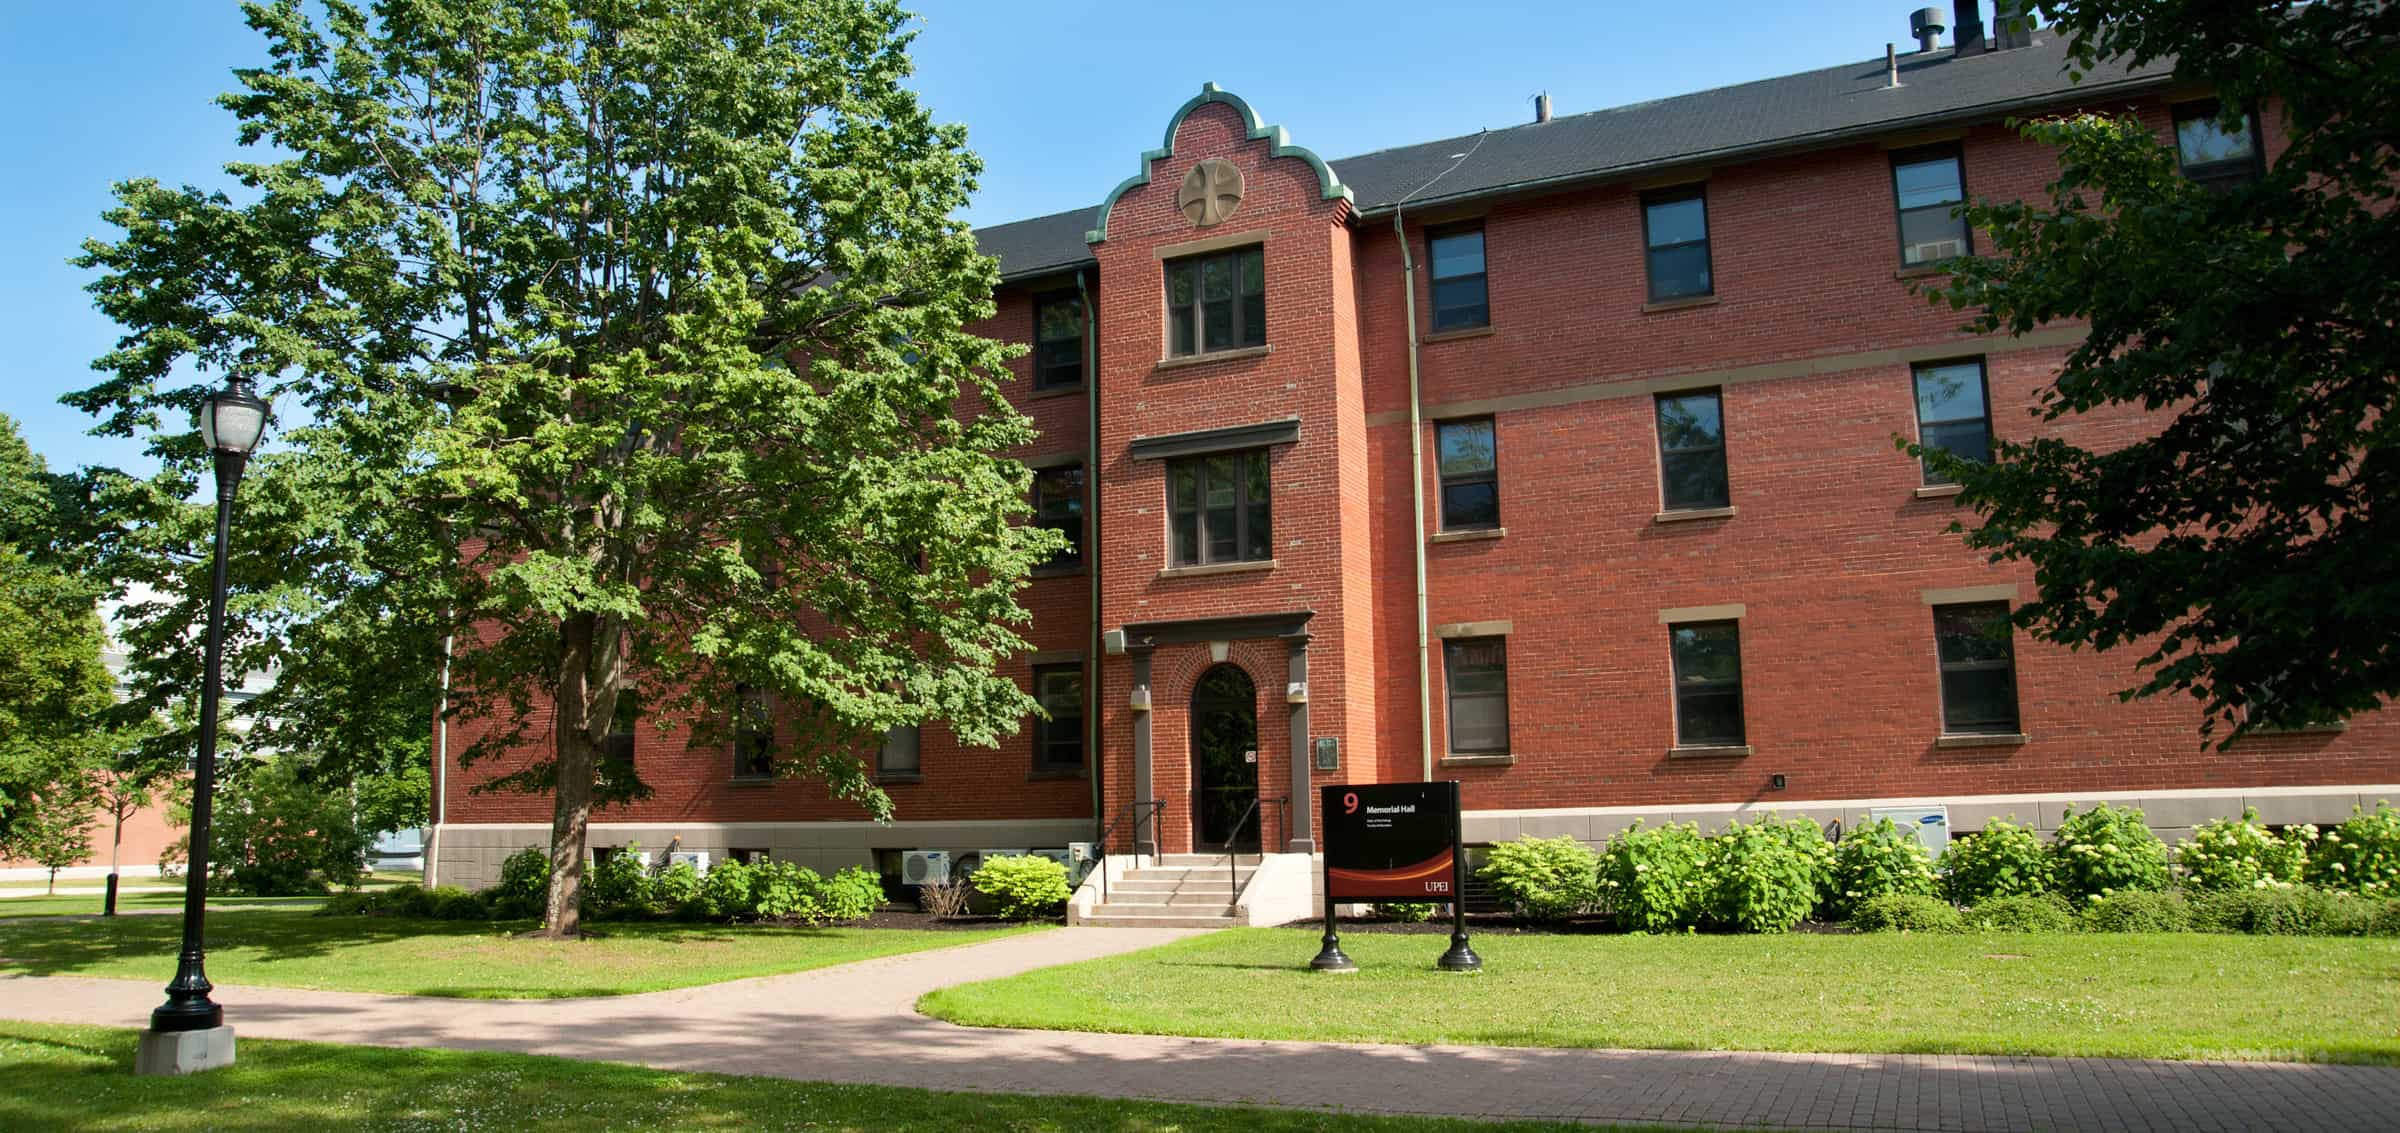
column 631, row 343
column 2245, row 548
column 55, row 831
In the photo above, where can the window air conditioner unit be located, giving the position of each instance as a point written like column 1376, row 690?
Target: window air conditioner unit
column 1932, row 250
column 697, row 859
column 924, row 867
column 1930, row 824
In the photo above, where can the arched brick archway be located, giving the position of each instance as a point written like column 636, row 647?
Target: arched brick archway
column 1223, row 738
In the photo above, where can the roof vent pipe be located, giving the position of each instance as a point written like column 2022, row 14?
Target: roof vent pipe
column 1926, row 25
column 1891, row 66
column 2014, row 27
column 1541, row 108
column 1966, row 28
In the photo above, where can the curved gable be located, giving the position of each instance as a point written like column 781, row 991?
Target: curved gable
column 1279, row 144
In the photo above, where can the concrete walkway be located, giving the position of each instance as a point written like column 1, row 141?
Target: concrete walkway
column 856, row 1023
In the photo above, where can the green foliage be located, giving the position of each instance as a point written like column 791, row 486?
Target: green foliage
column 1405, row 912
column 2361, row 855
column 2002, row 860
column 783, row 891
column 618, row 885
column 1543, row 879
column 404, row 900
column 675, row 890
column 2242, row 854
column 1762, row 876
column 1657, row 879
column 53, row 689
column 2134, row 910
column 855, row 892
column 2228, row 545
column 53, row 829
column 726, row 891
column 277, row 832
column 2106, row 851
column 2022, row 912
column 524, row 884
column 1906, row 912
column 1878, row 859
column 2284, row 911
column 1023, row 887
column 451, row 903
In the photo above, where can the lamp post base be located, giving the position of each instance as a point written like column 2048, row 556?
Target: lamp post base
column 170, row 1053
column 1460, row 958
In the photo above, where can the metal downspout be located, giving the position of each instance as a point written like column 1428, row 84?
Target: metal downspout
column 1091, row 545
column 1416, row 497
column 441, row 772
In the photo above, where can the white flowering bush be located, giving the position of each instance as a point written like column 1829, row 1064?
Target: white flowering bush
column 2105, row 851
column 1544, row 879
column 2361, row 855
column 1763, row 876
column 2242, row 854
column 1879, row 859
column 2002, row 860
column 1656, row 879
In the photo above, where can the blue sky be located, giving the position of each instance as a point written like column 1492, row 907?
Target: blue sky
column 1058, row 98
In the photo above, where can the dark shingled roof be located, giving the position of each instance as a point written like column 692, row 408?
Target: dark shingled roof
column 1788, row 113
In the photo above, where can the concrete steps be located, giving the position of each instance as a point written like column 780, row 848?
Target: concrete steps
column 1181, row 891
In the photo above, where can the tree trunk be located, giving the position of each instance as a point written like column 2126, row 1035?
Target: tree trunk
column 570, row 822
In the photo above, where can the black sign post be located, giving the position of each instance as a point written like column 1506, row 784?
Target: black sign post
column 1394, row 842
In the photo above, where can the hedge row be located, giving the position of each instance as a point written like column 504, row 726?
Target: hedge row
column 620, row 887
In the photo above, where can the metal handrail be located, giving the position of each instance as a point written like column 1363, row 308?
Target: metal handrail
column 1233, row 841
column 1133, row 812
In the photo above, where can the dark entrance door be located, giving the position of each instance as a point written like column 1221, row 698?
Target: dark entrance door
column 1225, row 761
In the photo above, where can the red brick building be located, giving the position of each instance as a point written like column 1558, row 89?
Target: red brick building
column 1557, row 460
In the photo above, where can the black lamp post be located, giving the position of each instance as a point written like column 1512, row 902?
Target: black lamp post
column 231, row 422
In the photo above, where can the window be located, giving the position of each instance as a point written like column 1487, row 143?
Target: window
column 1675, row 230
column 1459, row 300
column 1217, row 302
column 898, row 758
column 1218, row 508
column 1691, row 451
column 1058, row 741
column 753, row 735
column 1468, row 456
column 1476, row 669
column 748, row 855
column 1057, row 341
column 1926, row 186
column 1708, row 684
column 2216, row 158
column 1951, row 414
column 613, row 775
column 1058, row 505
column 1979, row 667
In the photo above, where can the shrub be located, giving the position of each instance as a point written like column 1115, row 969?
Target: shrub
column 1906, row 912
column 2241, row 854
column 2361, row 855
column 405, row 900
column 781, row 890
column 2285, row 911
column 944, row 899
column 2022, row 912
column 2135, row 910
column 524, row 887
column 617, row 885
column 2107, row 851
column 1761, row 877
column 855, row 893
column 353, row 903
column 2383, row 917
column 1543, row 879
column 726, row 891
column 277, row 833
column 2004, row 860
column 675, row 891
column 1405, row 912
column 1654, row 880
column 1023, row 887
column 1879, row 859
column 451, row 903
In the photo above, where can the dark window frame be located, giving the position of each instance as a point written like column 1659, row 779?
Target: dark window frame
column 1451, row 669
column 1706, row 242
column 1446, row 480
column 885, row 771
column 1074, row 526
column 1916, row 378
column 1658, row 408
column 753, row 736
column 1434, row 277
column 1716, row 687
column 2219, row 176
column 1045, row 372
column 1918, row 156
column 1199, row 553
column 1052, row 735
column 1240, row 334
column 2014, row 723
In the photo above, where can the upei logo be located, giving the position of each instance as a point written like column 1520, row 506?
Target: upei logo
column 1349, row 802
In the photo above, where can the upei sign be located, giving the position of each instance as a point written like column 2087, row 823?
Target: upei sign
column 1391, row 842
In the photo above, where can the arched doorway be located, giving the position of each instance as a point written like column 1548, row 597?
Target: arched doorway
column 1224, row 761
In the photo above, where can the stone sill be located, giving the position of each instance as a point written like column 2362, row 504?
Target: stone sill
column 1684, row 304
column 1055, row 571
column 1468, row 536
column 1686, row 515
column 1056, row 391
column 2332, row 728
column 1041, row 775
column 1939, row 491
column 1217, row 568
column 1455, row 335
column 898, row 778
column 1234, row 355
column 1480, row 759
column 1980, row 739
column 1715, row 751
column 1920, row 271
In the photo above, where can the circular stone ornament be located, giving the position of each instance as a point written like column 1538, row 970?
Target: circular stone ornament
column 1210, row 193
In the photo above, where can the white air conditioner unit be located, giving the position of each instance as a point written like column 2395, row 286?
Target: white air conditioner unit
column 1081, row 858
column 1932, row 250
column 924, row 867
column 1930, row 824
column 1064, row 860
column 697, row 859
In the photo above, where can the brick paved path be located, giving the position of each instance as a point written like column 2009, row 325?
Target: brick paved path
column 855, row 1023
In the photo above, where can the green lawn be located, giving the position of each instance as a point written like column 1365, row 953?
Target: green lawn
column 470, row 959
column 2170, row 996
column 80, row 1078
column 88, row 904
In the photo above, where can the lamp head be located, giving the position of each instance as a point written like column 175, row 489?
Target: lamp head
column 233, row 419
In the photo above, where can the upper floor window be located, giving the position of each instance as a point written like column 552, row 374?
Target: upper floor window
column 1218, row 510
column 1979, row 667
column 2212, row 155
column 1058, row 740
column 1675, row 230
column 1475, row 670
column 1058, row 341
column 1691, row 451
column 1217, row 302
column 1708, row 683
column 753, row 735
column 899, row 758
column 1058, row 505
column 1951, row 413
column 1927, row 186
column 613, row 773
column 1469, row 458
column 1459, row 299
